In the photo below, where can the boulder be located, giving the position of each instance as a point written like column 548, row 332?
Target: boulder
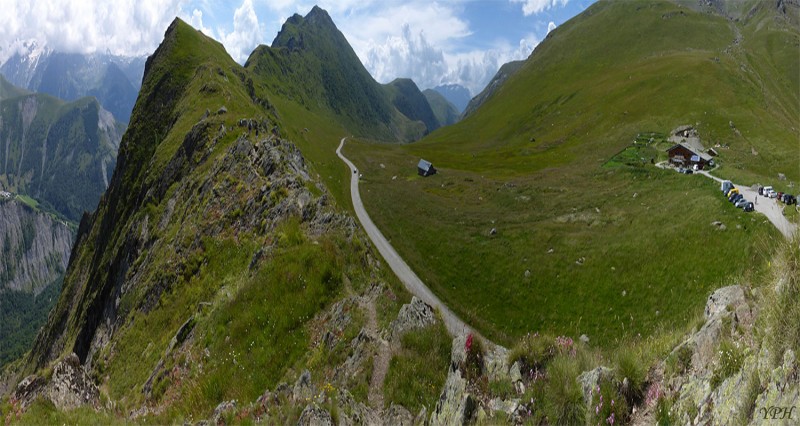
column 455, row 405
column 313, row 415
column 416, row 314
column 70, row 387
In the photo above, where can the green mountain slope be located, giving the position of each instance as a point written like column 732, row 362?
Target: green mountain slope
column 589, row 237
column 217, row 266
column 445, row 112
column 311, row 63
column 505, row 71
column 407, row 98
column 8, row 90
column 61, row 154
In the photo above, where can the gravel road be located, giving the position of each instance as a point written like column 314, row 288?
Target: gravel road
column 455, row 326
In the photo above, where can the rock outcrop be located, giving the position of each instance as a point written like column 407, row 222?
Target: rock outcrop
column 68, row 388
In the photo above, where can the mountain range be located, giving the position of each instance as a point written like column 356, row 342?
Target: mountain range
column 223, row 277
column 113, row 80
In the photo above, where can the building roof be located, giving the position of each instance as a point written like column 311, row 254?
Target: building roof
column 424, row 165
column 693, row 145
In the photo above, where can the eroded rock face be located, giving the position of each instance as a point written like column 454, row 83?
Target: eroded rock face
column 416, row 314
column 589, row 380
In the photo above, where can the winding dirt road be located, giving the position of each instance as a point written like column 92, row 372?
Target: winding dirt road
column 455, row 326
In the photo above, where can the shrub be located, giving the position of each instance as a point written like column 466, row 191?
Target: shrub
column 533, row 352
column 564, row 398
column 633, row 375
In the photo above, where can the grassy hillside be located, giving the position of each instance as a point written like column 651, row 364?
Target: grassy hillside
column 407, row 98
column 445, row 112
column 586, row 243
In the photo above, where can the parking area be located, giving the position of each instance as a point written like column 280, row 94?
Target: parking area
column 769, row 207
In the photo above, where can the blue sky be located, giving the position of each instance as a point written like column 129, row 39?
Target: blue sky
column 453, row 41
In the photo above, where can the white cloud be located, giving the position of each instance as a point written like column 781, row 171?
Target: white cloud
column 551, row 26
column 246, row 35
column 532, row 7
column 126, row 27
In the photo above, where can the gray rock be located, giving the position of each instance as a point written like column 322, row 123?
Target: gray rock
column 355, row 413
column 222, row 409
column 416, row 314
column 721, row 299
column 782, row 390
column 70, row 387
column 303, row 389
column 315, row 416
column 27, row 390
column 720, row 226
column 222, row 110
column 584, row 339
column 398, row 415
column 516, row 375
column 495, row 362
column 493, row 231
column 362, row 346
column 455, row 405
column 507, row 406
column 422, row 417
column 589, row 380
column 458, row 352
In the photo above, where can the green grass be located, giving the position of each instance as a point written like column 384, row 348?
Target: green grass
column 628, row 243
column 417, row 373
column 30, row 202
column 612, row 246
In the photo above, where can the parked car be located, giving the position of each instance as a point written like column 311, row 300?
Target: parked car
column 789, row 199
column 732, row 191
column 741, row 203
column 736, row 197
column 772, row 194
column 726, row 186
column 687, row 171
column 760, row 190
column 749, row 207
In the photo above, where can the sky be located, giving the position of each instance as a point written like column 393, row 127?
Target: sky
column 432, row 42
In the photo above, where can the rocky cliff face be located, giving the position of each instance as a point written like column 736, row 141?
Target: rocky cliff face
column 34, row 248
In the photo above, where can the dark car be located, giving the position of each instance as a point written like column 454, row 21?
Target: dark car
column 735, row 197
column 687, row 171
column 760, row 190
column 749, row 207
